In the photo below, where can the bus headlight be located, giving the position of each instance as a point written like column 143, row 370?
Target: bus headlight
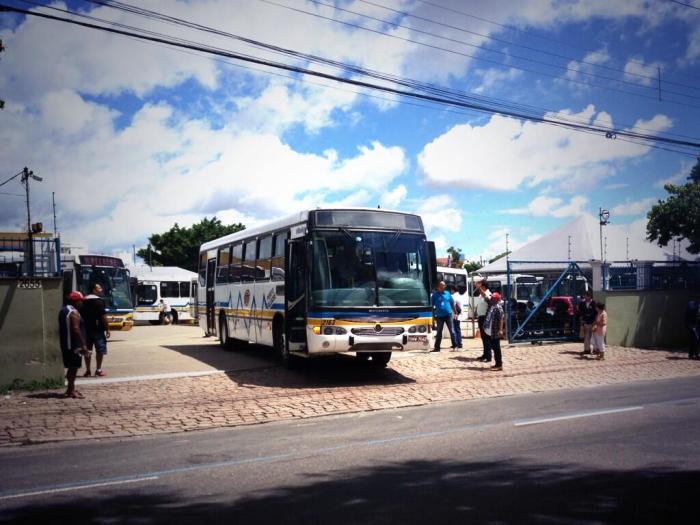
column 340, row 330
column 317, row 330
column 412, row 330
column 328, row 330
column 422, row 329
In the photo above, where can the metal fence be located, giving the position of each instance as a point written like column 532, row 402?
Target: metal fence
column 16, row 261
column 651, row 275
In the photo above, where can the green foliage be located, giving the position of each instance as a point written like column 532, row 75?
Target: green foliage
column 33, row 385
column 472, row 266
column 180, row 246
column 455, row 256
column 678, row 217
column 499, row 256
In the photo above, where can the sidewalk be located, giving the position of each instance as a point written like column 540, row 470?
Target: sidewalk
column 318, row 388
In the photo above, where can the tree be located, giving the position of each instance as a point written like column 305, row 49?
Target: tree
column 472, row 266
column 678, row 217
column 180, row 246
column 455, row 257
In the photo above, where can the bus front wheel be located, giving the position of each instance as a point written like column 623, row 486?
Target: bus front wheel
column 281, row 347
column 380, row 359
column 224, row 339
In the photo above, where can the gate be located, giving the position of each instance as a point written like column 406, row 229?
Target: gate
column 541, row 300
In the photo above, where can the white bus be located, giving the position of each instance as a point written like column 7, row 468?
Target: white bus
column 82, row 272
column 170, row 283
column 322, row 282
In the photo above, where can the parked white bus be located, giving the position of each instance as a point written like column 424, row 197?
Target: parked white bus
column 321, row 282
column 170, row 283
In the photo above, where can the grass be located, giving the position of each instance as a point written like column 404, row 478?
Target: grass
column 32, row 385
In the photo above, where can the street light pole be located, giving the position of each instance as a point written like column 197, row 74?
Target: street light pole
column 604, row 218
column 26, row 175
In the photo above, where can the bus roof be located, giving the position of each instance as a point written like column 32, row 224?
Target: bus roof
column 143, row 272
column 281, row 224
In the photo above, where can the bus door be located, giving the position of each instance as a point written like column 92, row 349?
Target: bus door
column 211, row 311
column 295, row 294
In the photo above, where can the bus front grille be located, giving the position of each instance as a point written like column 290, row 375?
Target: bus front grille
column 385, row 331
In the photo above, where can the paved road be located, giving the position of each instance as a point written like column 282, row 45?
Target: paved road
column 623, row 453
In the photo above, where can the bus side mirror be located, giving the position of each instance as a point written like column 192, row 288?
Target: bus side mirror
column 432, row 261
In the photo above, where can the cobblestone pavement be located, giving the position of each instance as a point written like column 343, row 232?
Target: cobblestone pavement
column 318, row 388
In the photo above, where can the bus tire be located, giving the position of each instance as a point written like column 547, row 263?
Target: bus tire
column 280, row 344
column 224, row 340
column 363, row 356
column 174, row 316
column 380, row 359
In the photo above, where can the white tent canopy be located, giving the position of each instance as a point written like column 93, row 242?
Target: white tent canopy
column 583, row 234
column 143, row 272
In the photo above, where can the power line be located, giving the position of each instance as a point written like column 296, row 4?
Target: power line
column 529, row 33
column 153, row 15
column 686, row 5
column 482, row 59
column 515, row 44
column 13, row 177
column 609, row 132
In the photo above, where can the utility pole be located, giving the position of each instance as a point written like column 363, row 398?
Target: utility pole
column 26, row 175
column 604, row 218
column 569, row 247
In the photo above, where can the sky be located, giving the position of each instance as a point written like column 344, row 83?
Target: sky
column 133, row 137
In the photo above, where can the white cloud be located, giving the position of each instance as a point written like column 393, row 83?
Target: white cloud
column 637, row 70
column 393, row 198
column 505, row 153
column 491, row 78
column 680, row 177
column 543, row 206
column 440, row 212
column 633, row 207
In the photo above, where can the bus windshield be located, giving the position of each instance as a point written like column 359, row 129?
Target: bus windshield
column 115, row 285
column 361, row 269
column 147, row 294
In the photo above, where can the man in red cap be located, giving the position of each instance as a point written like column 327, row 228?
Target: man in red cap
column 494, row 326
column 73, row 340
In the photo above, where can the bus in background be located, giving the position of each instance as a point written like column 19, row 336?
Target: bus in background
column 82, row 272
column 457, row 277
column 523, row 288
column 170, row 283
column 322, row 282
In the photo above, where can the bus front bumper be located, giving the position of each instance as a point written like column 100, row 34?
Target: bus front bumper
column 363, row 340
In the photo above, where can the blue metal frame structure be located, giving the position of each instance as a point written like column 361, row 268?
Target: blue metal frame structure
column 573, row 269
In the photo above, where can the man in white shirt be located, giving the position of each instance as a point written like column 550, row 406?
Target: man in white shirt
column 482, row 306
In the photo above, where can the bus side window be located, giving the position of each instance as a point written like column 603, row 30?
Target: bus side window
column 184, row 289
column 169, row 289
column 277, row 261
column 248, row 271
column 202, row 269
column 264, row 263
column 222, row 265
column 236, row 260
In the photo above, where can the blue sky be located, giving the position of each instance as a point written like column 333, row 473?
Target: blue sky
column 133, row 137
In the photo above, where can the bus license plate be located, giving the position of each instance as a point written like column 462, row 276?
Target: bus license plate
column 417, row 338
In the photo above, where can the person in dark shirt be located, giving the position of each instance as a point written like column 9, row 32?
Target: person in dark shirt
column 587, row 316
column 71, row 329
column 692, row 324
column 96, row 327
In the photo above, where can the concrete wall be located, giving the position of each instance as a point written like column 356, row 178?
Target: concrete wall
column 29, row 345
column 646, row 318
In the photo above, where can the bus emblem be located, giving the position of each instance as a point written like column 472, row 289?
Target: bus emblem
column 377, row 328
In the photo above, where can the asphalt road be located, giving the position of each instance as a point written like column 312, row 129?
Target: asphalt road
column 625, row 453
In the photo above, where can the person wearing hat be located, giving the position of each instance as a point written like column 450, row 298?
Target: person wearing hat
column 482, row 305
column 494, row 326
column 71, row 328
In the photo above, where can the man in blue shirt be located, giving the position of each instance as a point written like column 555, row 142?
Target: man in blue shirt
column 444, row 312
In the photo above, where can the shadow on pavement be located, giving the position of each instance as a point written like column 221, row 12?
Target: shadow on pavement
column 260, row 366
column 423, row 492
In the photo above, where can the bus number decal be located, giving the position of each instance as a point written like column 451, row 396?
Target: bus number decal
column 327, row 322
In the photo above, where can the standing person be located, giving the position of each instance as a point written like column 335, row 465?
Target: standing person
column 482, row 306
column 459, row 308
column 167, row 312
column 692, row 324
column 494, row 326
column 71, row 329
column 97, row 328
column 599, row 330
column 444, row 307
column 587, row 315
